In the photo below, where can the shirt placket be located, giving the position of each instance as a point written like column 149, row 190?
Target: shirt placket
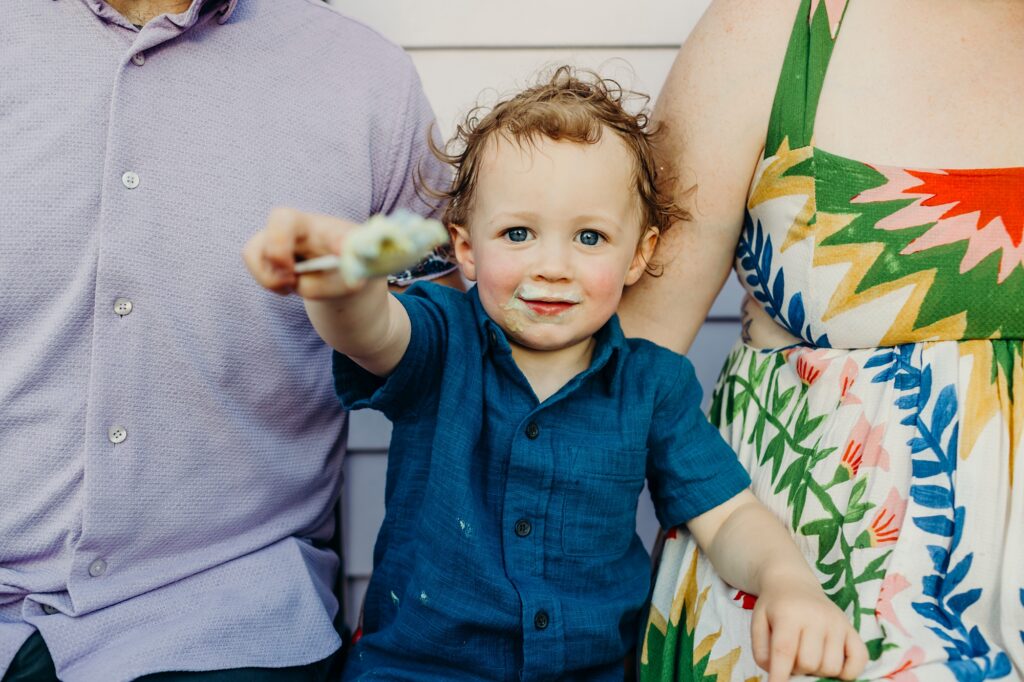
column 526, row 514
column 112, row 433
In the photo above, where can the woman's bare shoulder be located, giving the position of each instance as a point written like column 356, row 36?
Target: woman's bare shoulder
column 751, row 17
column 736, row 50
column 718, row 97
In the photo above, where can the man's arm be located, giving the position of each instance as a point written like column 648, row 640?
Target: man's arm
column 361, row 320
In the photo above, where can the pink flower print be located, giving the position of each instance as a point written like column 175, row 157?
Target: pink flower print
column 893, row 584
column 863, row 449
column 913, row 658
column 745, row 599
column 871, row 436
column 810, row 365
column 846, row 380
column 885, row 527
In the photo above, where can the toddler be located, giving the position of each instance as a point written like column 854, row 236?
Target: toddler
column 525, row 423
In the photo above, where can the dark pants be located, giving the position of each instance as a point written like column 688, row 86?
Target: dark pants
column 33, row 664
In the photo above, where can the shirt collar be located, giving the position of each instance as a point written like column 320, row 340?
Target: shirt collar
column 226, row 10
column 609, row 351
column 223, row 8
column 609, row 345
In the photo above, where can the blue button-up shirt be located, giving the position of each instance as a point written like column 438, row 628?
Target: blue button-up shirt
column 170, row 443
column 509, row 550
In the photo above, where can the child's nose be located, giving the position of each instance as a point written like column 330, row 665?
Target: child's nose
column 552, row 263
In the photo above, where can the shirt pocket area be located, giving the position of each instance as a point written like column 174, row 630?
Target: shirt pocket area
column 600, row 498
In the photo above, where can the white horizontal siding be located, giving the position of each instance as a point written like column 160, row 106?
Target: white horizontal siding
column 456, row 80
column 528, row 23
column 471, row 52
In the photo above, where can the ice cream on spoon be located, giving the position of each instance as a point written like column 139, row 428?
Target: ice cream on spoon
column 380, row 246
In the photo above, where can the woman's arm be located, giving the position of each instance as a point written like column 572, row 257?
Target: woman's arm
column 715, row 107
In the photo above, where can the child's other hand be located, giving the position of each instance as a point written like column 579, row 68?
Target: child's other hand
column 292, row 235
column 797, row 630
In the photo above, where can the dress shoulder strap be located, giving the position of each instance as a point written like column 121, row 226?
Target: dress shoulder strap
column 803, row 72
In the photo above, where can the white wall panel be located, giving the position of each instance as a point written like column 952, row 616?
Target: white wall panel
column 356, row 589
column 709, row 350
column 368, row 430
column 489, row 23
column 363, row 509
column 727, row 305
column 456, row 80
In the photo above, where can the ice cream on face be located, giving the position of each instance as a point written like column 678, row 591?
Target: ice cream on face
column 538, row 304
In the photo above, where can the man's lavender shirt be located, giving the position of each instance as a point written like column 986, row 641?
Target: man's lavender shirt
column 167, row 475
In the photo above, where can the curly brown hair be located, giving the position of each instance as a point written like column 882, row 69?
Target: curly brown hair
column 573, row 105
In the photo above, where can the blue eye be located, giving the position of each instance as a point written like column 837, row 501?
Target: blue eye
column 517, row 234
column 590, row 238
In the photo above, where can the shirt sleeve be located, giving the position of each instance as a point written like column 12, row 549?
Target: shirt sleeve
column 415, row 382
column 413, row 169
column 690, row 467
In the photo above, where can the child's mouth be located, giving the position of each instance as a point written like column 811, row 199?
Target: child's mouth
column 548, row 307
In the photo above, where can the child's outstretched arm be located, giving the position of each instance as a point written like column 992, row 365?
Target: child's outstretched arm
column 796, row 629
column 361, row 320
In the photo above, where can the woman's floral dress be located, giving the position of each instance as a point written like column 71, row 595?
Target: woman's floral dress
column 887, row 439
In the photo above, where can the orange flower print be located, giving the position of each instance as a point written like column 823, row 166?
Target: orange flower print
column 887, row 523
column 811, row 364
column 913, row 658
column 885, row 527
column 863, row 449
column 893, row 584
column 852, row 458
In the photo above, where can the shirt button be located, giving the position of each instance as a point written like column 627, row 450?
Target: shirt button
column 130, row 179
column 523, row 528
column 97, row 568
column 532, row 430
column 116, row 434
column 49, row 610
column 139, row 59
column 541, row 620
column 122, row 306
column 492, row 337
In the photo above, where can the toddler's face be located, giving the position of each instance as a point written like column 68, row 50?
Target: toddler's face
column 553, row 237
